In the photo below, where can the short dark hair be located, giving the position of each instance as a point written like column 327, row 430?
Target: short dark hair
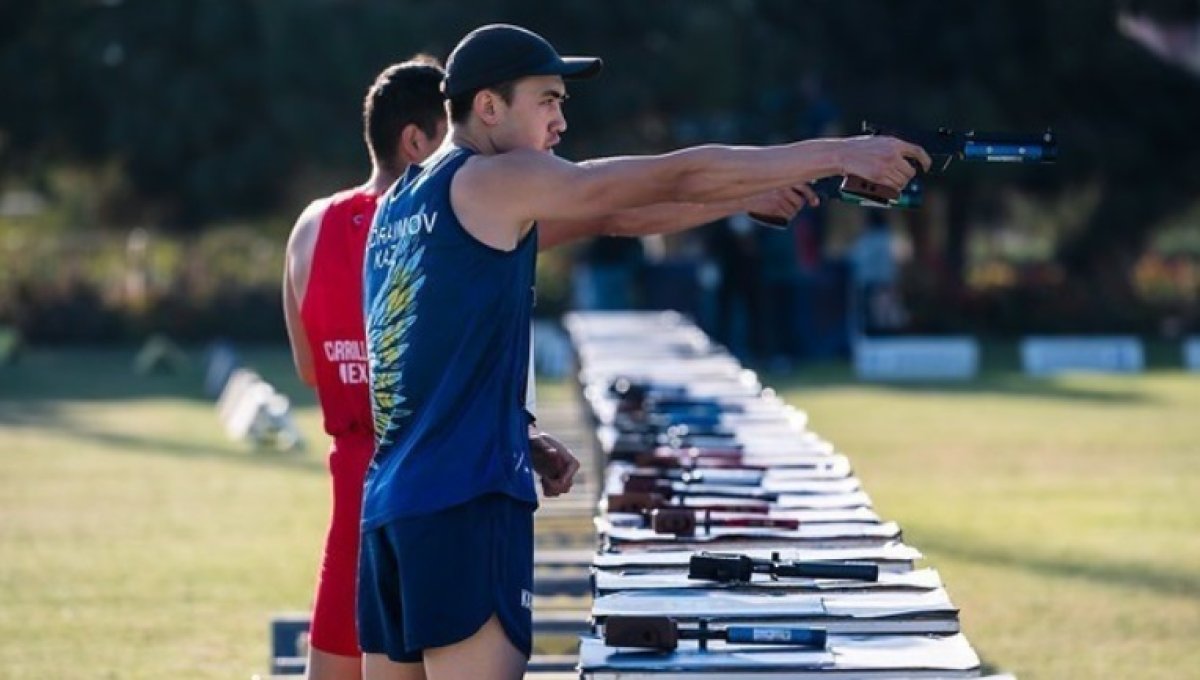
column 403, row 94
column 460, row 106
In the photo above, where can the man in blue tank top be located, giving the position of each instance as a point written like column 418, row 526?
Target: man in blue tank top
column 445, row 574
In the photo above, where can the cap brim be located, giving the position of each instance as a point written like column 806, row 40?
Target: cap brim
column 581, row 68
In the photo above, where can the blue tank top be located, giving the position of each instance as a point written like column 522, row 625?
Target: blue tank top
column 448, row 347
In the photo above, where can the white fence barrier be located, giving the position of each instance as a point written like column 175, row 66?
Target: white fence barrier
column 1110, row 354
column 1191, row 353
column 917, row 358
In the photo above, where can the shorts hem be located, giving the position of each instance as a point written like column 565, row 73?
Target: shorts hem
column 525, row 646
column 447, row 639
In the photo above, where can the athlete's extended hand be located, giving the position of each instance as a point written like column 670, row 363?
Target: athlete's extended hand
column 778, row 206
column 554, row 463
column 884, row 160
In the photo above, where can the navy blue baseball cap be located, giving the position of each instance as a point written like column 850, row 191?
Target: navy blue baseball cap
column 496, row 53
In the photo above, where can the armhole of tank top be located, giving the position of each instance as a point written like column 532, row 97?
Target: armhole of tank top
column 531, row 234
column 467, row 236
column 302, row 303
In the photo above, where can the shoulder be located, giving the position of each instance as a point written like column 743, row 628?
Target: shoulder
column 304, row 233
column 518, row 159
column 506, row 175
column 310, row 219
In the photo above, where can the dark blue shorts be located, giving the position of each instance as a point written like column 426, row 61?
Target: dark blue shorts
column 434, row 580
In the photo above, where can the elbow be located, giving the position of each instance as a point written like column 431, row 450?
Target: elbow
column 306, row 372
column 308, row 376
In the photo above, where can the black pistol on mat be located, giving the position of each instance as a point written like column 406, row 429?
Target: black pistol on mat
column 734, row 568
column 663, row 634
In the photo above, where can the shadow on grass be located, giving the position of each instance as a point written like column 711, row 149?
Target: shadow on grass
column 49, row 415
column 1156, row 579
column 33, row 392
column 95, row 374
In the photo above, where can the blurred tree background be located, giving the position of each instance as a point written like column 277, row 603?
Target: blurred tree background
column 153, row 153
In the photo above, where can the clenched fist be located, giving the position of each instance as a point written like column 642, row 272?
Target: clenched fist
column 554, row 463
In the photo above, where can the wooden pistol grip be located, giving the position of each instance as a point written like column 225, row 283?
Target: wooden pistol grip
column 869, row 190
column 642, row 632
column 769, row 220
column 634, row 502
column 657, row 460
column 674, row 521
column 638, row 483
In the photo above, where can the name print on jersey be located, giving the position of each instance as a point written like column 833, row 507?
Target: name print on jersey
column 388, row 234
column 350, row 357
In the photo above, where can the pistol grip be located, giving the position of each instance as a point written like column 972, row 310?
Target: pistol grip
column 634, row 502
column 673, row 521
column 869, row 190
column 772, row 221
column 643, row 632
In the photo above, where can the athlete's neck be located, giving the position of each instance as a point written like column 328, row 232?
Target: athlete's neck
column 467, row 137
column 380, row 180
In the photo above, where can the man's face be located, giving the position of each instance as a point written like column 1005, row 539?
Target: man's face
column 534, row 119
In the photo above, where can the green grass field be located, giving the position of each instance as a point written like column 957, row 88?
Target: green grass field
column 1063, row 515
column 137, row 542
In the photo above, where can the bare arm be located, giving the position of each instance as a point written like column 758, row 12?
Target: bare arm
column 498, row 197
column 297, row 266
column 668, row 218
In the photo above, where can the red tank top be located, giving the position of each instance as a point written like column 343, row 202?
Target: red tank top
column 332, row 313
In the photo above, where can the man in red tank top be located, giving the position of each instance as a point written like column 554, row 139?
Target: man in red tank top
column 404, row 122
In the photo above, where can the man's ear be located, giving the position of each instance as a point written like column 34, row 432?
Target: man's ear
column 488, row 106
column 411, row 139
column 408, row 144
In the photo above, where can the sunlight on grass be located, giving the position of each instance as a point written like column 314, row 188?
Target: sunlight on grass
column 1062, row 514
column 138, row 542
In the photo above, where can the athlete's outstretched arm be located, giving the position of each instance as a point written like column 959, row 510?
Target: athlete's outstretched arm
column 510, row 190
column 668, row 218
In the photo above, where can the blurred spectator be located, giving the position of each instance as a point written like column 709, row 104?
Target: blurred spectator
column 820, row 113
column 734, row 248
column 816, row 302
column 875, row 297
column 605, row 274
column 778, row 278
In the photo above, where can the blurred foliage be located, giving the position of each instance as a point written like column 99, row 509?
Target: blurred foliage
column 103, row 287
column 187, row 113
column 553, row 283
column 1008, row 298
